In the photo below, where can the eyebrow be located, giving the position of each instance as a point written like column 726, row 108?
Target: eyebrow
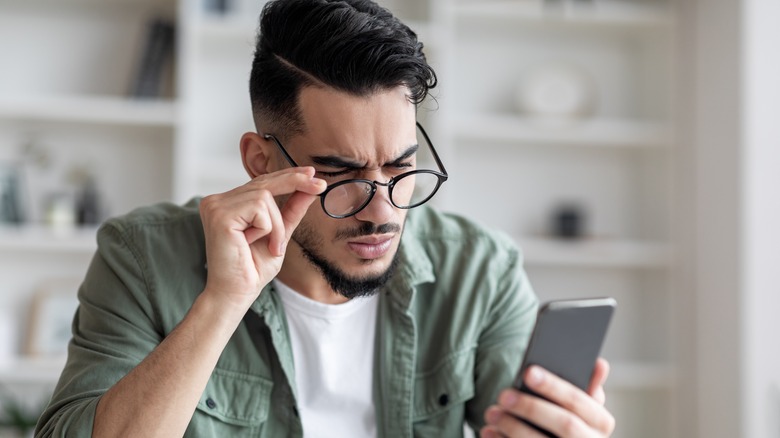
column 339, row 162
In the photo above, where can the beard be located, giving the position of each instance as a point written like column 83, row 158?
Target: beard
column 342, row 283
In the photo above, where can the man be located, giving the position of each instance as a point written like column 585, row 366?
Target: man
column 313, row 300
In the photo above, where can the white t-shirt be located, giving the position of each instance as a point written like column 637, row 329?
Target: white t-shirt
column 333, row 352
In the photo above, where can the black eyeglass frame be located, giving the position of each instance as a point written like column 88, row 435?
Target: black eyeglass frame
column 442, row 176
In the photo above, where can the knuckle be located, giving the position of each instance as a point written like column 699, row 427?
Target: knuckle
column 209, row 206
column 607, row 424
column 572, row 426
column 526, row 406
column 574, row 399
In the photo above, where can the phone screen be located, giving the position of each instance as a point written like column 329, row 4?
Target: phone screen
column 567, row 340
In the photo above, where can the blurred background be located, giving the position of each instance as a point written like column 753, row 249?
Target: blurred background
column 630, row 147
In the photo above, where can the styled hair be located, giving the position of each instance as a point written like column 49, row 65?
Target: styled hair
column 354, row 46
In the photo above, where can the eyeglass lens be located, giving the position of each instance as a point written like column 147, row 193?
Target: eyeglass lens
column 408, row 191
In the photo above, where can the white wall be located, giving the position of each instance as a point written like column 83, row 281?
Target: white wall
column 760, row 285
column 732, row 362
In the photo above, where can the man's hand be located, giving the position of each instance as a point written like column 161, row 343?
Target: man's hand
column 574, row 413
column 247, row 232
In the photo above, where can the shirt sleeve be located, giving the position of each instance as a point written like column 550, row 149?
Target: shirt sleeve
column 113, row 330
column 503, row 339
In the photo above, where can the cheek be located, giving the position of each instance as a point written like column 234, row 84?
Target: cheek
column 315, row 221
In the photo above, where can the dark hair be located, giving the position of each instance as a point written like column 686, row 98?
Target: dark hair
column 354, row 46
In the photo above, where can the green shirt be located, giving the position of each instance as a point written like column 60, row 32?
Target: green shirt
column 452, row 326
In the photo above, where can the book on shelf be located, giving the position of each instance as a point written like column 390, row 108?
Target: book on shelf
column 156, row 59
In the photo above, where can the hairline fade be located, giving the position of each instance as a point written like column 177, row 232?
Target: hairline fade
column 351, row 46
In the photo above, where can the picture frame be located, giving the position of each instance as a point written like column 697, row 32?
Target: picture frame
column 51, row 315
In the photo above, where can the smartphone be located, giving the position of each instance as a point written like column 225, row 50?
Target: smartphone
column 567, row 340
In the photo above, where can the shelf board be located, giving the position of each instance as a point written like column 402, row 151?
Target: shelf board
column 26, row 238
column 639, row 376
column 606, row 253
column 599, row 132
column 91, row 109
column 585, row 13
column 31, row 369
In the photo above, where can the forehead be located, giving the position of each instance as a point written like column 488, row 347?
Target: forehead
column 367, row 128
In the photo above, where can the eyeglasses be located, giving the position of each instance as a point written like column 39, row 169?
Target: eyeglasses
column 407, row 190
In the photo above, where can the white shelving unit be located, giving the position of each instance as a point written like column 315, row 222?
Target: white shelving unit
column 64, row 109
column 608, row 253
column 24, row 370
column 508, row 169
column 45, row 239
column 511, row 168
column 602, row 132
column 91, row 110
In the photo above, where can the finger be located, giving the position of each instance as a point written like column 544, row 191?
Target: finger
column 277, row 240
column 288, row 181
column 571, row 399
column 600, row 374
column 490, row 432
column 502, row 423
column 600, row 396
column 259, row 213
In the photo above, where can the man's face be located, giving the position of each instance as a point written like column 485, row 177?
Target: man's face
column 351, row 137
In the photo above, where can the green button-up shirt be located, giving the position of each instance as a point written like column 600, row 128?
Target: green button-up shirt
column 452, row 326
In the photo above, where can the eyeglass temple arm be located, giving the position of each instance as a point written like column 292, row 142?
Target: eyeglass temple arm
column 281, row 148
column 433, row 150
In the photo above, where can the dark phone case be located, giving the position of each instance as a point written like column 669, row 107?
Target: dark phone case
column 566, row 341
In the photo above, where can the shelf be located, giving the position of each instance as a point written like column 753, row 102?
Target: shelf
column 27, row 238
column 604, row 253
column 31, row 370
column 597, row 13
column 639, row 376
column 91, row 109
column 596, row 132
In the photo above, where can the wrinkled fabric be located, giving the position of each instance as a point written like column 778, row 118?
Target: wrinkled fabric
column 452, row 326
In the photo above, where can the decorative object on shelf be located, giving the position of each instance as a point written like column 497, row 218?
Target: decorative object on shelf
column 568, row 221
column 217, row 6
column 10, row 194
column 556, row 91
column 87, row 204
column 88, row 210
column 51, row 315
column 60, row 210
column 155, row 60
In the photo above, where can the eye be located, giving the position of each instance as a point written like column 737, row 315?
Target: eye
column 333, row 174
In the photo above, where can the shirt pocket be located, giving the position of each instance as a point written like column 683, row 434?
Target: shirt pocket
column 233, row 404
column 440, row 396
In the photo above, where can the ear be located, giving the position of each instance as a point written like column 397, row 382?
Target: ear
column 254, row 154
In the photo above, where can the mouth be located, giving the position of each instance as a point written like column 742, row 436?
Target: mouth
column 371, row 247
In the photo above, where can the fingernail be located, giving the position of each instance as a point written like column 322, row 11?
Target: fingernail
column 508, row 399
column 282, row 247
column 487, row 433
column 535, row 376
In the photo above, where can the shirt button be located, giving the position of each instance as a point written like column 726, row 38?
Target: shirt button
column 211, row 403
column 444, row 399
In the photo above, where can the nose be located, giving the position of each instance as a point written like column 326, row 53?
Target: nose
column 379, row 210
